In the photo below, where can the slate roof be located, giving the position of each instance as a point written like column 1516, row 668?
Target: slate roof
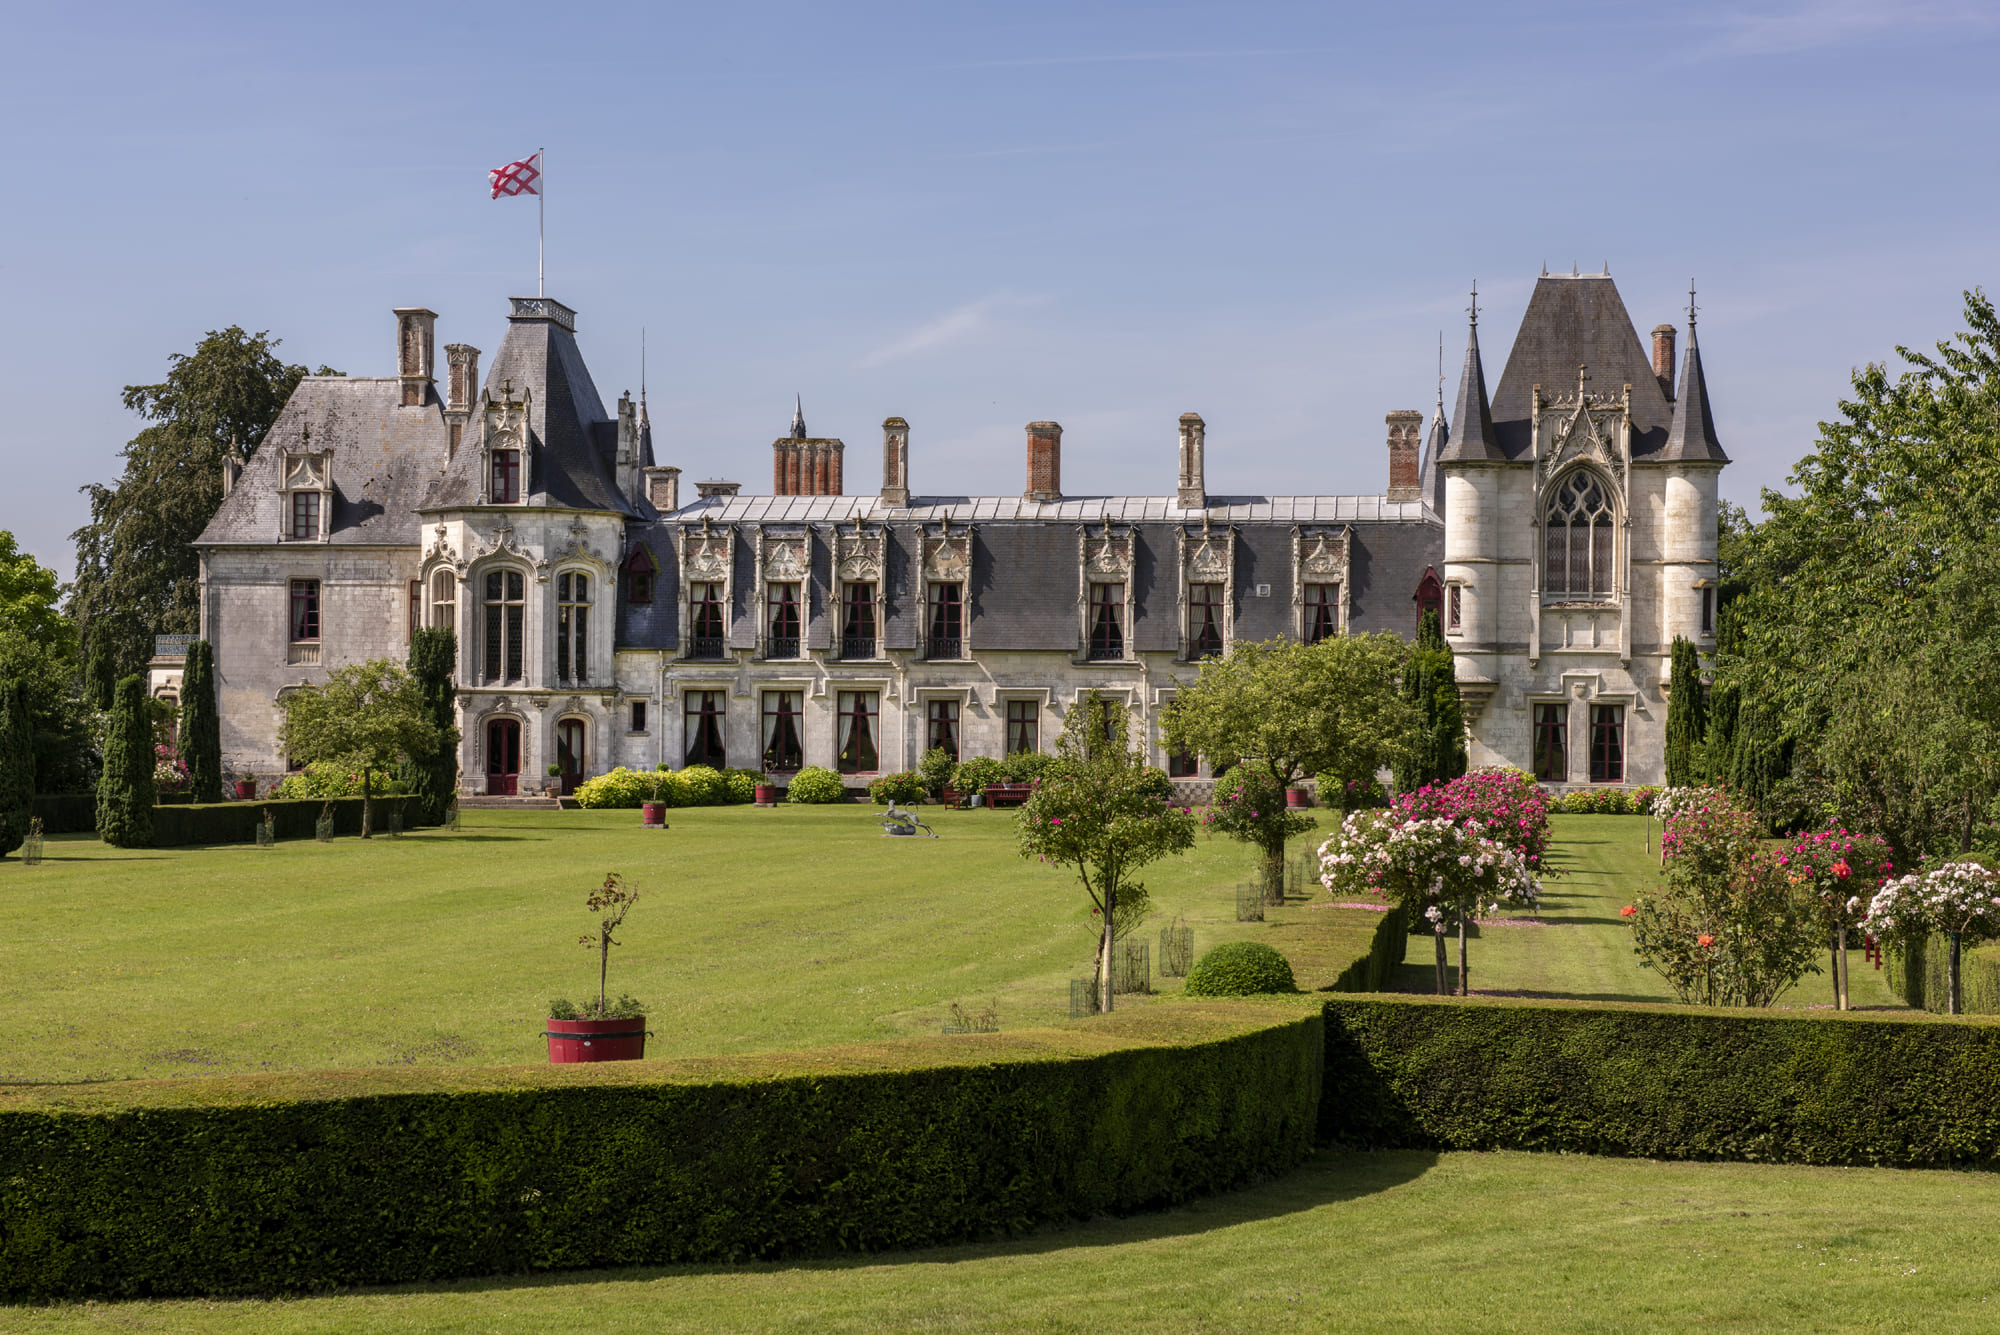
column 1071, row 509
column 384, row 458
column 1692, row 435
column 1474, row 441
column 1576, row 319
column 1430, row 478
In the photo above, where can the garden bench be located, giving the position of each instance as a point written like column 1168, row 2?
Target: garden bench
column 1007, row 794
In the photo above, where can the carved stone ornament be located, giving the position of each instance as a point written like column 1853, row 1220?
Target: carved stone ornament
column 858, row 555
column 947, row 557
column 306, row 472
column 578, row 544
column 1323, row 558
column 1210, row 562
column 441, row 548
column 785, row 559
column 1576, row 426
column 708, row 555
column 541, row 703
column 498, row 705
column 573, row 705
column 1108, row 556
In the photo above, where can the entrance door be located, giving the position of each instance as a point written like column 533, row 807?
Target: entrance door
column 503, row 757
column 569, row 753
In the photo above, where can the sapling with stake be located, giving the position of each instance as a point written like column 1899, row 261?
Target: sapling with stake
column 614, row 901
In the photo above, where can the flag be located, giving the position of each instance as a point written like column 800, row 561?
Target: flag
column 517, row 178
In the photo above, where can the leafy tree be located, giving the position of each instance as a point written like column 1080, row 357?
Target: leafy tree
column 433, row 776
column 1687, row 716
column 1103, row 811
column 1430, row 682
column 137, row 573
column 17, row 768
column 368, row 716
column 125, row 792
column 38, row 652
column 201, row 725
column 1249, row 805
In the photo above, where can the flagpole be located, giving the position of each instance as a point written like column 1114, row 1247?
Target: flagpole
column 541, row 218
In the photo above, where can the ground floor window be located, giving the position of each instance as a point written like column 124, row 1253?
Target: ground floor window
column 859, row 714
column 1552, row 743
column 1607, row 743
column 704, row 711
column 638, row 716
column 1023, row 726
column 1183, row 765
column 943, row 720
column 784, row 744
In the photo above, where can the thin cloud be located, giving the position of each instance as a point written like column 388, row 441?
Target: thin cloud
column 1816, row 24
column 1145, row 57
column 959, row 323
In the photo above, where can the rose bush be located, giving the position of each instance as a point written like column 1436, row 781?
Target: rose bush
column 1504, row 805
column 1841, row 872
column 1960, row 899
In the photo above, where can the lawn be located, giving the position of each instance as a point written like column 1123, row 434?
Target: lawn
column 1350, row 1242
column 757, row 930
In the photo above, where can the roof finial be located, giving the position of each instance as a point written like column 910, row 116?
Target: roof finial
column 1474, row 307
column 1440, row 373
column 798, row 418
column 1692, row 308
column 1572, row 268
column 642, row 370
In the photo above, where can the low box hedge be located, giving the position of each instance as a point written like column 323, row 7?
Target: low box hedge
column 1660, row 1082
column 1920, row 973
column 296, row 1183
column 67, row 813
column 236, row 822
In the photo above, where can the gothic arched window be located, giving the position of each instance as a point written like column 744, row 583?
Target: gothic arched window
column 1579, row 523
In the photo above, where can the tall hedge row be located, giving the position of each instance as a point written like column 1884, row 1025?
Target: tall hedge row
column 286, row 1196
column 236, row 822
column 1919, row 972
column 1659, row 1083
column 1386, row 949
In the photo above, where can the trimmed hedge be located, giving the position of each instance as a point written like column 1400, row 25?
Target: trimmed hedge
column 1662, row 1083
column 1240, row 969
column 1373, row 971
column 269, row 1193
column 236, row 822
column 1920, row 973
column 67, row 813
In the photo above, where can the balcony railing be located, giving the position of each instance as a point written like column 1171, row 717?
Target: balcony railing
column 782, row 646
column 950, row 646
column 705, row 646
column 857, row 646
column 303, row 653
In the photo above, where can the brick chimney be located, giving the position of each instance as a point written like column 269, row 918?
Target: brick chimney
column 1193, row 490
column 1663, row 358
column 1405, row 454
column 415, row 352
column 462, row 388
column 1044, row 462
column 806, row 467
column 895, row 461
column 663, row 488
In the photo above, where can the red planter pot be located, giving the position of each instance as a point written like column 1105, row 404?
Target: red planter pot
column 653, row 815
column 246, row 790
column 767, row 794
column 597, row 1040
column 1297, row 798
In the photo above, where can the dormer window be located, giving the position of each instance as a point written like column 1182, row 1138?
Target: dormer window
column 639, row 572
column 506, row 485
column 305, row 515
column 307, row 496
column 1107, row 621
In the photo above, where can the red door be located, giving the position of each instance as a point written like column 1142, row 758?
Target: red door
column 503, row 757
column 569, row 753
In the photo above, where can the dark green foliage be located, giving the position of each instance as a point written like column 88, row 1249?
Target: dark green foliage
column 100, row 677
column 1430, row 682
column 67, row 813
column 432, row 664
column 201, row 725
column 125, row 792
column 1687, row 716
column 975, row 773
column 303, row 1192
column 906, row 787
column 1917, row 972
column 1757, row 760
column 1661, row 1084
column 1240, row 969
column 177, row 826
column 1373, row 971
column 1719, row 746
column 17, row 768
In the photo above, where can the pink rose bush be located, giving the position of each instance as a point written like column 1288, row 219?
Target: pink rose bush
column 1504, row 805
column 1841, row 873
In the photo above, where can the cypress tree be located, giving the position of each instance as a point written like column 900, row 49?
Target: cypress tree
column 201, row 725
column 100, row 677
column 125, row 793
column 17, row 767
column 1430, row 681
column 1687, row 716
column 434, row 778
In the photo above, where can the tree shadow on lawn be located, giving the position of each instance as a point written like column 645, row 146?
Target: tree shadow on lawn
column 1329, row 1177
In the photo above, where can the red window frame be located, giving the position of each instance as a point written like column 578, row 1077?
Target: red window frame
column 1607, row 743
column 1322, row 606
column 305, row 611
column 1551, row 757
column 1204, row 620
column 305, row 514
column 506, row 488
column 1107, row 621
column 941, row 719
column 1024, row 726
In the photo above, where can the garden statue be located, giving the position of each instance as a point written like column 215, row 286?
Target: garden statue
column 899, row 822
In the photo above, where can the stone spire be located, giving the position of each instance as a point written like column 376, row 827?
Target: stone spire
column 1474, row 441
column 1691, row 438
column 1430, row 479
column 798, row 418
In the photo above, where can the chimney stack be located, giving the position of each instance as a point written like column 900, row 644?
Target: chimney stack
column 462, row 388
column 1663, row 358
column 1193, row 489
column 1044, row 462
column 663, row 488
column 415, row 352
column 716, row 487
column 1405, row 455
column 895, row 462
column 627, row 462
column 803, row 465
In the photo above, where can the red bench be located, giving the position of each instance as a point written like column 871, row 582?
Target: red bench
column 1007, row 794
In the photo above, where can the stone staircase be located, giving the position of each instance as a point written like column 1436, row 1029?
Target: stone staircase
column 507, row 804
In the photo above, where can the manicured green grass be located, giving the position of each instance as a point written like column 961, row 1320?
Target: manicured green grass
column 1581, row 947
column 1351, row 1242
column 757, row 930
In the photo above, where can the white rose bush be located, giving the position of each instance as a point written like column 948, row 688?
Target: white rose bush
column 1960, row 899
column 1436, row 869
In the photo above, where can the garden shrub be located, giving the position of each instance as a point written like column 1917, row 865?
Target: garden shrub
column 742, row 785
column 974, row 774
column 67, row 813
column 1661, row 1083
column 936, row 767
column 816, row 785
column 1028, row 766
column 263, row 1185
column 1918, row 971
column 125, row 789
column 17, row 768
column 1504, row 805
column 624, row 787
column 906, row 786
column 236, row 822
column 1352, row 794
column 702, row 786
column 1386, row 950
column 325, row 778
column 1240, row 969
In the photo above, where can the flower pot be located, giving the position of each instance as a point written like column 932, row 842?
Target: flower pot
column 1298, row 799
column 767, row 794
column 653, row 815
column 597, row 1040
column 246, row 790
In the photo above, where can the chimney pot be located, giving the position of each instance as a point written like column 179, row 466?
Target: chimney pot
column 415, row 352
column 713, row 487
column 895, row 462
column 1663, row 358
column 1044, row 462
column 1405, row 455
column 663, row 488
column 1193, row 488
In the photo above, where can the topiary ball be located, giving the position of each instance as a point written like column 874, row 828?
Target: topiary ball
column 1240, row 969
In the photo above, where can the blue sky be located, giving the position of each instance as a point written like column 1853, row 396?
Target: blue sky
column 974, row 216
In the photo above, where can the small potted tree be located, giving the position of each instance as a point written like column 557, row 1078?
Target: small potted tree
column 602, row 1030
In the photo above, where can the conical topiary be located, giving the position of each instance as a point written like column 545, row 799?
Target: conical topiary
column 433, row 779
column 125, row 792
column 1687, row 716
column 201, row 726
column 17, row 768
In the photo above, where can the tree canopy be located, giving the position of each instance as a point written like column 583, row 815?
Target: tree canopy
column 368, row 716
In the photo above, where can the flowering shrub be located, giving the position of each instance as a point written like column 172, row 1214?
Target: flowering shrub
column 1504, row 805
column 907, row 787
column 1959, row 898
column 702, row 786
column 170, row 775
column 624, row 787
column 1028, row 766
column 1731, row 927
column 1249, row 806
column 973, row 774
column 325, row 779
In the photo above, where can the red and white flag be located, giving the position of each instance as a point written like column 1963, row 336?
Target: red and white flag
column 517, row 178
